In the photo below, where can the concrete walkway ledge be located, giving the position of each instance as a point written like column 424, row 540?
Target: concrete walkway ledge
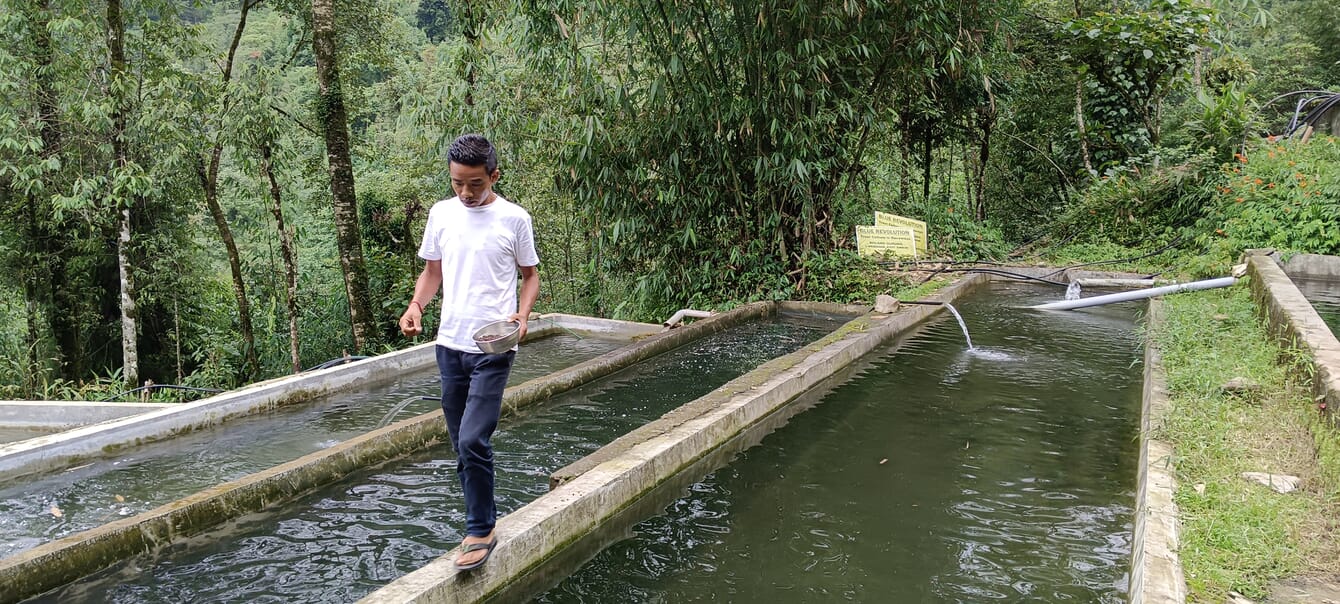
column 1156, row 568
column 113, row 433
column 51, row 565
column 635, row 465
column 1313, row 266
column 63, row 415
column 1294, row 321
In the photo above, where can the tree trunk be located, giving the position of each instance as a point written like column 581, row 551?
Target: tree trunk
column 42, row 234
column 926, row 165
column 116, row 53
column 286, row 251
column 986, row 123
column 1079, row 124
column 470, row 31
column 904, row 167
column 983, row 156
column 130, row 358
column 969, row 178
column 209, row 183
column 948, row 175
column 176, row 337
column 29, row 277
column 33, row 296
column 46, row 238
column 336, row 132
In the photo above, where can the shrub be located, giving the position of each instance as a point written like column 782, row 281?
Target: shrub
column 1147, row 198
column 1280, row 195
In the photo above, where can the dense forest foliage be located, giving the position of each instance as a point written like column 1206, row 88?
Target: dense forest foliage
column 212, row 193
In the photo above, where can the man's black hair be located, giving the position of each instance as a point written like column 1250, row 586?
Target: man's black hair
column 473, row 150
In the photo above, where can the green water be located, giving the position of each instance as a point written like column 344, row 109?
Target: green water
column 347, row 540
column 1325, row 297
column 932, row 474
column 149, row 476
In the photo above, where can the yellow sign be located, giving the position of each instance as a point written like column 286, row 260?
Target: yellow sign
column 899, row 241
column 894, row 220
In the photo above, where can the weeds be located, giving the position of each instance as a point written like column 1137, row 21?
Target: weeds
column 1238, row 535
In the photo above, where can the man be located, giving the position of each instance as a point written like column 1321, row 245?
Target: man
column 473, row 245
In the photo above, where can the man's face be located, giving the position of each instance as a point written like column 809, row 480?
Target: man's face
column 473, row 184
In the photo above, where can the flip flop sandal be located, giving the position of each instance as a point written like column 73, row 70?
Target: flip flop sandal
column 474, row 547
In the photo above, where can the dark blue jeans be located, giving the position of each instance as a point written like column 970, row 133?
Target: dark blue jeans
column 472, row 390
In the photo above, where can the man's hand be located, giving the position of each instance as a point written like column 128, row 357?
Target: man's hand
column 519, row 318
column 411, row 323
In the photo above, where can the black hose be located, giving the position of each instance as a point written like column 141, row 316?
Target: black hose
column 993, row 271
column 152, row 387
column 1044, row 279
column 1176, row 240
column 336, row 362
column 1312, row 116
column 1013, row 275
column 1317, row 113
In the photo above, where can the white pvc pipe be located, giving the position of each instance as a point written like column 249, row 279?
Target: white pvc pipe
column 1137, row 294
column 685, row 312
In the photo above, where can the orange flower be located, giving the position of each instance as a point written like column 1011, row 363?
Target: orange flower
column 1270, row 185
column 1239, row 200
column 1257, row 181
column 1219, row 231
column 1240, row 157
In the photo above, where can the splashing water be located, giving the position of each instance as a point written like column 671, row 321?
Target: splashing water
column 1072, row 291
column 961, row 324
column 991, row 355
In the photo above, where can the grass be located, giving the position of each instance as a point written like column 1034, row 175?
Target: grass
column 1238, row 535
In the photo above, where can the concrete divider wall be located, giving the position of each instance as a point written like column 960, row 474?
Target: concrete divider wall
column 57, row 451
column 619, row 474
column 1156, row 568
column 1293, row 320
column 63, row 415
column 57, row 563
column 1313, row 266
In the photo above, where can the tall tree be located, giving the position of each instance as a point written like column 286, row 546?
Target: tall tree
column 123, row 198
column 208, row 171
column 33, row 161
column 334, row 124
column 718, row 134
column 1130, row 61
column 286, row 251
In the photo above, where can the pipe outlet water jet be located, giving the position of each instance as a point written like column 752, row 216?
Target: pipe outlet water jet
column 685, row 312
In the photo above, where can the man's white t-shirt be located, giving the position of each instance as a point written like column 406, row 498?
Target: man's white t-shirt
column 480, row 249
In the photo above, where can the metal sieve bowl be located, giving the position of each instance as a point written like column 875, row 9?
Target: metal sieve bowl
column 498, row 336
